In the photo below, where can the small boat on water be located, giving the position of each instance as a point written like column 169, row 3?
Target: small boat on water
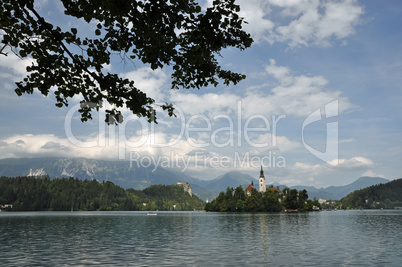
column 151, row 213
column 292, row 211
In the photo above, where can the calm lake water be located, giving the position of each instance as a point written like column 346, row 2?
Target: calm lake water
column 328, row 238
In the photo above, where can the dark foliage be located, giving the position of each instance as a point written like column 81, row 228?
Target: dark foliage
column 236, row 200
column 385, row 196
column 157, row 33
column 42, row 194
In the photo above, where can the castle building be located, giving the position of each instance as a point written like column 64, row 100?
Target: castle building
column 187, row 187
column 262, row 187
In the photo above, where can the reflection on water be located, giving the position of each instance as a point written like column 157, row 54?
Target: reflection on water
column 201, row 239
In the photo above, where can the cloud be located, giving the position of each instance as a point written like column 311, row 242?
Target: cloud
column 210, row 103
column 98, row 146
column 255, row 13
column 151, row 82
column 47, row 145
column 195, row 152
column 19, row 142
column 351, row 164
column 261, row 109
column 52, row 145
column 291, row 94
column 300, row 22
column 307, row 167
column 274, row 142
column 323, row 174
column 316, row 22
column 12, row 69
column 370, row 173
column 296, row 95
column 15, row 66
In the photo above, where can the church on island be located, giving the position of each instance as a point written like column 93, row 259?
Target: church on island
column 262, row 199
column 262, row 187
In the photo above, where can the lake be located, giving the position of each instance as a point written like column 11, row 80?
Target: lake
column 327, row 238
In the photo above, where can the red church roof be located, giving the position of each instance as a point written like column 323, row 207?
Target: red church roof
column 275, row 189
column 251, row 186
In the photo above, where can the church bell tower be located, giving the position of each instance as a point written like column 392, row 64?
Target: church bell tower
column 262, row 186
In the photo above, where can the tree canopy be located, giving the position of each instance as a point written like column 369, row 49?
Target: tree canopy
column 42, row 194
column 178, row 33
column 386, row 196
column 237, row 200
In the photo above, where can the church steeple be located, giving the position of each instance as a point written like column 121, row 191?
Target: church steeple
column 261, row 181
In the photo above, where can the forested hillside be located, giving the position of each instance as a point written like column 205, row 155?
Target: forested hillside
column 42, row 194
column 387, row 196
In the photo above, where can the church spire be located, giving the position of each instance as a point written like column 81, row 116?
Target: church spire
column 261, row 180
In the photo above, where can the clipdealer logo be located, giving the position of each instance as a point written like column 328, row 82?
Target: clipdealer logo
column 330, row 155
column 237, row 129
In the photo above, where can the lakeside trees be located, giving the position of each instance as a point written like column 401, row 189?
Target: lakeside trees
column 387, row 196
column 40, row 194
column 237, row 200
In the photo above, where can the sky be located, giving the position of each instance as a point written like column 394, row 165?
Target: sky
column 321, row 104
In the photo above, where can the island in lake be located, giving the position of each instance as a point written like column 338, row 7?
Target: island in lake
column 264, row 199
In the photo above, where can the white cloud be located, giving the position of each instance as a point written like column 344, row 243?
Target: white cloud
column 276, row 142
column 255, row 13
column 151, row 82
column 99, row 146
column 317, row 170
column 296, row 95
column 12, row 69
column 370, row 173
column 300, row 22
column 308, row 167
column 316, row 22
column 353, row 163
column 339, row 20
column 330, row 174
column 210, row 103
column 49, row 145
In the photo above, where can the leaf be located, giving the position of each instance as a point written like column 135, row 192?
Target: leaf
column 18, row 92
column 23, row 53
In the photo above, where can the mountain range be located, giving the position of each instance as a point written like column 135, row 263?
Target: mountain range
column 338, row 192
column 128, row 175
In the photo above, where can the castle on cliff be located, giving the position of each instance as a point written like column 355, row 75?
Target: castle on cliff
column 186, row 186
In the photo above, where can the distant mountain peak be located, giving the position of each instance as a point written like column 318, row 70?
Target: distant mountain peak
column 365, row 178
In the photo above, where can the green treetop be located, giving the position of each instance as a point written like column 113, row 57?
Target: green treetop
column 158, row 33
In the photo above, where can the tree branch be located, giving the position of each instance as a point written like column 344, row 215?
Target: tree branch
column 1, row 50
column 60, row 41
